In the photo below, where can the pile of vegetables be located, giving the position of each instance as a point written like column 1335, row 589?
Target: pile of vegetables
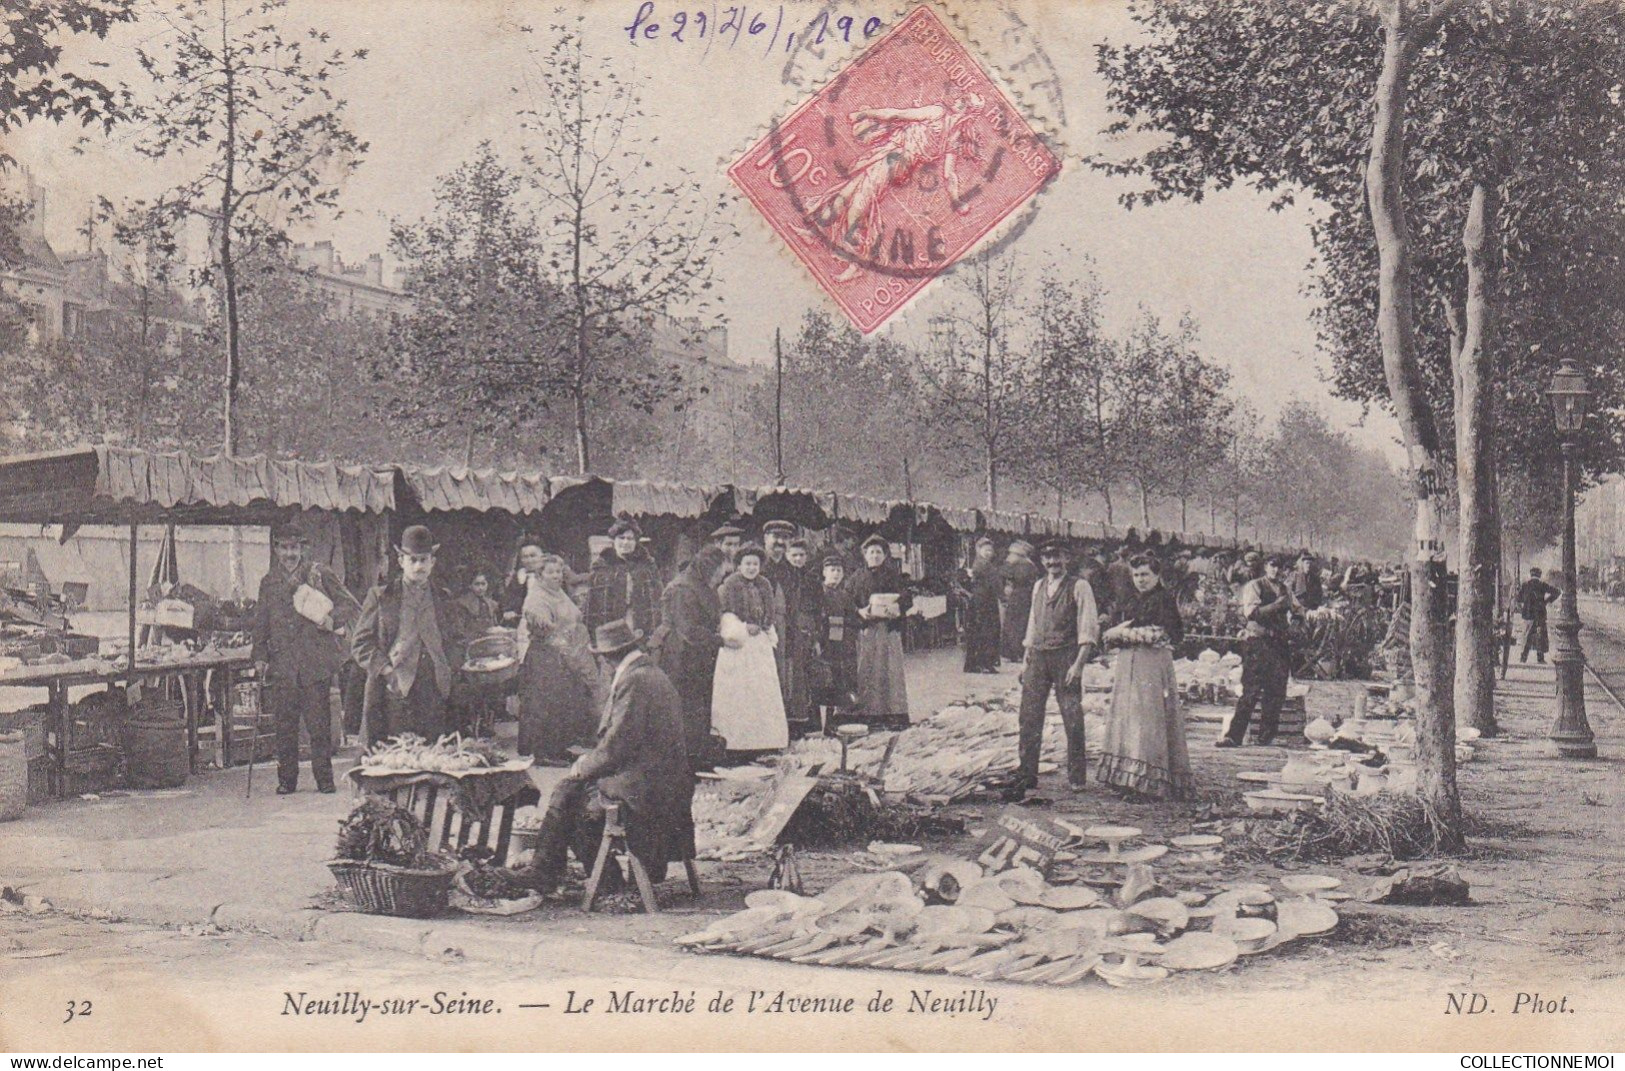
column 411, row 753
column 379, row 831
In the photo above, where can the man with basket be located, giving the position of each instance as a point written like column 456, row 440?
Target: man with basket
column 299, row 625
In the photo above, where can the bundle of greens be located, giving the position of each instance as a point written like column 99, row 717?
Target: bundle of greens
column 378, row 831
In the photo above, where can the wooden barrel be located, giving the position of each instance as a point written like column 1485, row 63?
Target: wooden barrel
column 155, row 751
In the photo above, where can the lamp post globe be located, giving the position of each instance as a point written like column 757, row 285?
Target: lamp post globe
column 1571, row 733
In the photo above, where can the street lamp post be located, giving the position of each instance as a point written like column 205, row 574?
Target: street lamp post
column 1571, row 732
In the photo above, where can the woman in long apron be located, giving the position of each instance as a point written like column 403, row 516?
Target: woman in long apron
column 1144, row 749
column 747, row 707
column 882, row 690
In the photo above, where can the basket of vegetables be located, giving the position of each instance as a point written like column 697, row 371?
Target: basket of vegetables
column 494, row 657
column 384, row 866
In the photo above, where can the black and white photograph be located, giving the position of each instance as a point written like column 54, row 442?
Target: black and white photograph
column 800, row 526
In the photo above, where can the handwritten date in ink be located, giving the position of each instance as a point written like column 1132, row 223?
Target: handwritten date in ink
column 731, row 23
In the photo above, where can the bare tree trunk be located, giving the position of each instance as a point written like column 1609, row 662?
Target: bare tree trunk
column 1475, row 488
column 228, row 283
column 991, row 476
column 1145, row 507
column 1396, row 329
column 1106, row 496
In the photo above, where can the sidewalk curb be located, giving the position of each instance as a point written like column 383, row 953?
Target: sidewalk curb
column 446, row 938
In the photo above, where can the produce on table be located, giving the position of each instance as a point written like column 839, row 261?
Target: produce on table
column 411, row 753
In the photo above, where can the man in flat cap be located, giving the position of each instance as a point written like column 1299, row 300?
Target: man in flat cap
column 625, row 583
column 1063, row 634
column 299, row 625
column 410, row 640
column 730, row 537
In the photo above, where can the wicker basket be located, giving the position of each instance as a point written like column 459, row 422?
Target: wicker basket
column 13, row 776
column 381, row 889
column 498, row 643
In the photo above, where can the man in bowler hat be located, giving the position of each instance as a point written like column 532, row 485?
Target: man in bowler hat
column 297, row 655
column 410, row 640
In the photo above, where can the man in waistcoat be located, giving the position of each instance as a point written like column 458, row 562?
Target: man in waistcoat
column 1063, row 633
column 1267, row 605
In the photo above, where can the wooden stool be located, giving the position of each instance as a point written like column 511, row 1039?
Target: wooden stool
column 613, row 842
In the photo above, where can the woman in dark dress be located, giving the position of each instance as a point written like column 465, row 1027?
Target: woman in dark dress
column 1144, row 750
column 687, row 642
column 882, row 691
column 982, row 585
column 837, row 644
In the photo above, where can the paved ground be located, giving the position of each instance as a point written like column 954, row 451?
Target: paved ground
column 1545, row 884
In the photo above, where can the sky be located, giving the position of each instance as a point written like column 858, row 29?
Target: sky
column 437, row 81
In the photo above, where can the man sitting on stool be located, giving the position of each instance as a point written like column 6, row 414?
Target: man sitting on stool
column 640, row 762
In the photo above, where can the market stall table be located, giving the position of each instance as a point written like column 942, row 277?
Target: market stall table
column 191, row 671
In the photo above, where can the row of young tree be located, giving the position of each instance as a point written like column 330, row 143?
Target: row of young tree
column 1022, row 400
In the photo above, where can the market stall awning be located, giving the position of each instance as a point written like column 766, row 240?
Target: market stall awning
column 651, row 498
column 119, row 485
column 863, row 509
column 440, row 490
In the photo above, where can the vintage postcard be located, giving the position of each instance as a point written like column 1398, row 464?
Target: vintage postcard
column 788, row 526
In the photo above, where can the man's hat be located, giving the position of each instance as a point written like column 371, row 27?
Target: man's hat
column 615, row 637
column 1054, row 548
column 1251, row 556
column 1021, row 546
column 800, row 544
column 877, row 541
column 984, row 542
column 417, row 540
column 778, row 528
column 728, row 529
column 289, row 531
column 625, row 525
column 834, row 559
column 1280, row 561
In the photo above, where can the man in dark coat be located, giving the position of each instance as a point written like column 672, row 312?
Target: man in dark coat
column 981, row 588
column 798, row 591
column 639, row 762
column 625, row 583
column 686, row 644
column 410, row 639
column 297, row 654
column 1020, row 574
column 1118, row 580
column 1534, row 595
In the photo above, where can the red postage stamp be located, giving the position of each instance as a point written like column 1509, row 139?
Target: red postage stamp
column 895, row 170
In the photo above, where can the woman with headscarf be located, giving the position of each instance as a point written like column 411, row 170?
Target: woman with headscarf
column 881, row 593
column 685, row 646
column 1144, row 749
column 747, row 706
column 557, row 674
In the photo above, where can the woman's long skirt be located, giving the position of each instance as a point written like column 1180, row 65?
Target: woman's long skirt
column 747, row 708
column 1144, row 748
column 882, row 691
column 555, row 705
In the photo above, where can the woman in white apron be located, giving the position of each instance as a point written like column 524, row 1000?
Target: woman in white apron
column 747, row 708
